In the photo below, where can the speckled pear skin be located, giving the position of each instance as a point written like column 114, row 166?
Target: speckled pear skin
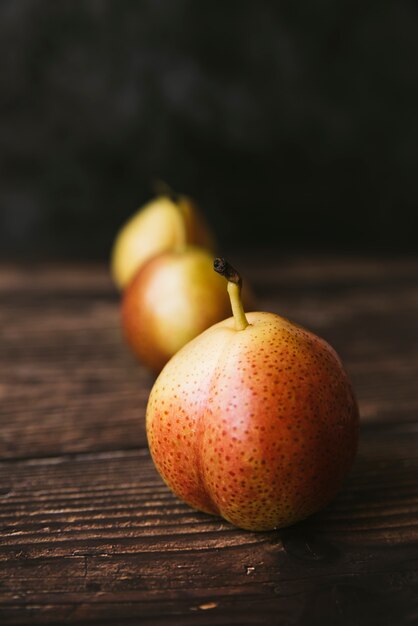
column 259, row 426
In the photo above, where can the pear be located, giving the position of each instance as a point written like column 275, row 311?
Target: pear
column 173, row 298
column 255, row 420
column 156, row 227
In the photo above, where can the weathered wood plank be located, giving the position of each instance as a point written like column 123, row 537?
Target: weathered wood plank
column 68, row 383
column 90, row 534
column 38, row 497
column 99, row 535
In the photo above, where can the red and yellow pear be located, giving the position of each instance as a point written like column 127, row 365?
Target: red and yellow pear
column 254, row 420
column 157, row 227
column 174, row 297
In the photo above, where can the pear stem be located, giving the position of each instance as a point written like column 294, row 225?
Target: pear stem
column 161, row 188
column 226, row 270
column 182, row 231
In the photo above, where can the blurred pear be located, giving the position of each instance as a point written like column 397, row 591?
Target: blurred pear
column 159, row 226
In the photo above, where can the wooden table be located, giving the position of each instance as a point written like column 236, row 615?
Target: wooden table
column 89, row 533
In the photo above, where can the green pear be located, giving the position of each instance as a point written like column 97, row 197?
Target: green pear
column 255, row 420
column 157, row 227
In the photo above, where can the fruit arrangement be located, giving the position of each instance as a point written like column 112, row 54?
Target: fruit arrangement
column 253, row 418
column 162, row 260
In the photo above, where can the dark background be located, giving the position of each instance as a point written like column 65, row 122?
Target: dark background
column 293, row 124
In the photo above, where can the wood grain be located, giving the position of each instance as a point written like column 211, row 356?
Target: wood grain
column 90, row 534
